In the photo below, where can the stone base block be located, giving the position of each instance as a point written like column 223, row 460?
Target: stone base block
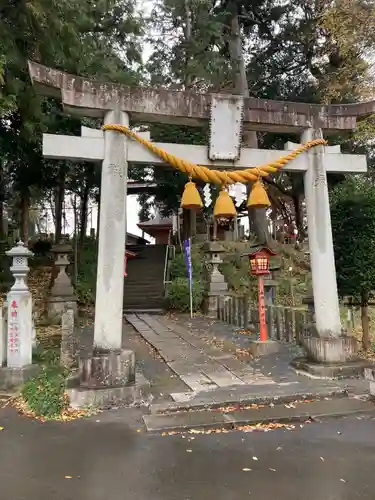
column 370, row 376
column 12, row 378
column 262, row 347
column 109, row 397
column 107, row 369
column 348, row 369
column 210, row 304
column 331, row 349
column 57, row 305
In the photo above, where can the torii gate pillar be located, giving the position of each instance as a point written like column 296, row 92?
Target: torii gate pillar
column 110, row 275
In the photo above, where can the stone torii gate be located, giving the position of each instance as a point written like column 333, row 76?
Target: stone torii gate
column 229, row 115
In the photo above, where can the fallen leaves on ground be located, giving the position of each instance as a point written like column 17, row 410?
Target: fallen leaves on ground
column 67, row 415
column 244, row 332
column 242, row 353
column 260, row 427
column 1, row 428
column 39, row 281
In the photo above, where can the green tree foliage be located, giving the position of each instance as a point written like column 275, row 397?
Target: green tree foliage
column 100, row 40
column 313, row 51
column 353, row 226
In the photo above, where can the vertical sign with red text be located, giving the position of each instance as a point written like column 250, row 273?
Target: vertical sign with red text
column 13, row 329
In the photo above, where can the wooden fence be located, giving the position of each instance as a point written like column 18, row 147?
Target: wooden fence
column 284, row 323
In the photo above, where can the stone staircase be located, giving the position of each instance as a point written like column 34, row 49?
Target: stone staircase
column 144, row 287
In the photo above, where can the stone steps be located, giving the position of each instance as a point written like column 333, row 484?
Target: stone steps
column 144, row 287
column 281, row 413
column 250, row 394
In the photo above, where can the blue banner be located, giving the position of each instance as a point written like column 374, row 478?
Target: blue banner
column 187, row 249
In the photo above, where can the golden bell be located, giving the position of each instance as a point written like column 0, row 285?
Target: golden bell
column 191, row 198
column 258, row 196
column 224, row 206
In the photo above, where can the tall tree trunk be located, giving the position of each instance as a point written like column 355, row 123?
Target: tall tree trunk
column 6, row 277
column 59, row 203
column 83, row 222
column 187, row 33
column 2, row 201
column 25, row 208
column 366, row 344
column 83, row 214
column 257, row 216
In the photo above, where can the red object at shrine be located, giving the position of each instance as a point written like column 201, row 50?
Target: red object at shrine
column 127, row 255
column 260, row 266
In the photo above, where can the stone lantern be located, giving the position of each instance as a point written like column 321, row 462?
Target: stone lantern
column 62, row 291
column 20, row 328
column 216, row 284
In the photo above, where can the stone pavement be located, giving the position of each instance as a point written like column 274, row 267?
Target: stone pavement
column 204, row 354
column 202, row 367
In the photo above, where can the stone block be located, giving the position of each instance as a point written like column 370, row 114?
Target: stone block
column 108, row 369
column 58, row 304
column 348, row 369
column 109, row 397
column 369, row 374
column 12, row 378
column 211, row 304
column 331, row 349
column 262, row 347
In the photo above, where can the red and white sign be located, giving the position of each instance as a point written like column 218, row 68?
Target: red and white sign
column 13, row 330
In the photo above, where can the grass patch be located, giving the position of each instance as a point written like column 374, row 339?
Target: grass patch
column 44, row 394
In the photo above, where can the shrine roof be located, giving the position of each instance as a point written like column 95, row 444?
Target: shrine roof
column 157, row 223
column 85, row 97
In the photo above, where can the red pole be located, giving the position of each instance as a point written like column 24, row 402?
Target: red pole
column 262, row 310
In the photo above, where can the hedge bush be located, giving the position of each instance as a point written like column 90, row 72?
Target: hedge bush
column 178, row 268
column 179, row 294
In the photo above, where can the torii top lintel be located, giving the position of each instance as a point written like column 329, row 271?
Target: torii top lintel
column 92, row 98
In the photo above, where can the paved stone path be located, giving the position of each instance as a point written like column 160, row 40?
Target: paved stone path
column 200, row 366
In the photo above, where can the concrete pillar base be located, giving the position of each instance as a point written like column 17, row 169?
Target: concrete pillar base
column 330, row 349
column 108, row 379
column 263, row 347
column 136, row 394
column 107, row 369
column 330, row 371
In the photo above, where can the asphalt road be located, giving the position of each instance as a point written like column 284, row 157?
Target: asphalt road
column 106, row 458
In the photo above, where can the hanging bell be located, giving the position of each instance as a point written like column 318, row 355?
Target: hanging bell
column 258, row 196
column 191, row 198
column 224, row 206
